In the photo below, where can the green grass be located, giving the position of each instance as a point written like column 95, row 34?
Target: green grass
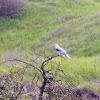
column 74, row 24
column 83, row 71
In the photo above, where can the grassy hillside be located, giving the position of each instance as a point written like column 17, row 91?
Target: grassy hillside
column 74, row 24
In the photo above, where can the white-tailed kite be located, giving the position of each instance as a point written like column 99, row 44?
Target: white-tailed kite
column 61, row 51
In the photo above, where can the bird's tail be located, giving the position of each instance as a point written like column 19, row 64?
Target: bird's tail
column 67, row 55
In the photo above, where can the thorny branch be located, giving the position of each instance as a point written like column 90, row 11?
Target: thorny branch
column 45, row 79
column 22, row 62
column 48, row 76
column 67, row 77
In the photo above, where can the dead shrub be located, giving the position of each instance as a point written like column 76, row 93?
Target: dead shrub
column 61, row 92
column 84, row 94
column 10, row 7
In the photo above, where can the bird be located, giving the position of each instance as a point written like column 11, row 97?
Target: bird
column 61, row 51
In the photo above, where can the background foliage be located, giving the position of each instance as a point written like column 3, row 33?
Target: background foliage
column 39, row 24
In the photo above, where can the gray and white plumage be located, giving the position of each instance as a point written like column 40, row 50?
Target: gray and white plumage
column 61, row 51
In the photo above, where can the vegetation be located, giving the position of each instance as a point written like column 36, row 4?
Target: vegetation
column 71, row 23
column 74, row 24
column 10, row 7
column 46, row 80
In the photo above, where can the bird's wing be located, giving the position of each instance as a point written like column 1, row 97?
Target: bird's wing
column 59, row 49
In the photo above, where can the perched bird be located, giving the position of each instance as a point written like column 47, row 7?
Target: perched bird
column 61, row 51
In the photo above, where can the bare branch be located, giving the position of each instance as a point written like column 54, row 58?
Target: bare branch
column 22, row 62
column 67, row 77
column 44, row 76
column 50, row 77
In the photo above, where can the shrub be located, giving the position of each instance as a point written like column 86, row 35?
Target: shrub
column 10, row 7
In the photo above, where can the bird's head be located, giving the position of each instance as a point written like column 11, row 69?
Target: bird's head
column 56, row 45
